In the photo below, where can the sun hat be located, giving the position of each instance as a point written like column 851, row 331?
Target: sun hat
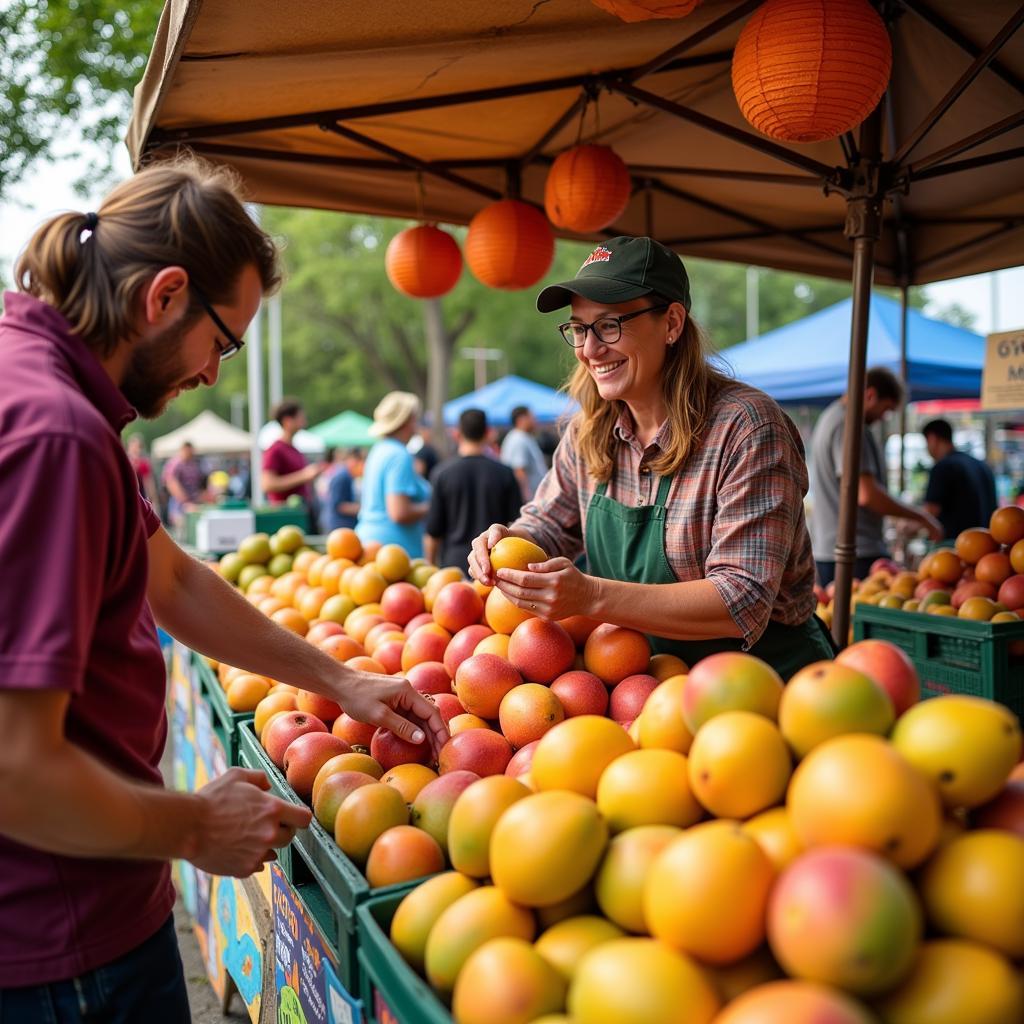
column 620, row 270
column 392, row 411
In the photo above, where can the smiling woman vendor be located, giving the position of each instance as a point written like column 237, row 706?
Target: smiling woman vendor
column 683, row 487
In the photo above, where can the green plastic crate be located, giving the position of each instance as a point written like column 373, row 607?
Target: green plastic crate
column 270, row 518
column 329, row 883
column 334, row 888
column 952, row 655
column 391, row 991
column 252, row 755
column 225, row 721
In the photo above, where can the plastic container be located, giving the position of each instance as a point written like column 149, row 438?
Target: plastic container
column 270, row 518
column 952, row 655
column 334, row 888
column 225, row 721
column 391, row 991
column 328, row 882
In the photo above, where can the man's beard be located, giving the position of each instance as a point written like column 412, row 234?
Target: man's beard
column 156, row 367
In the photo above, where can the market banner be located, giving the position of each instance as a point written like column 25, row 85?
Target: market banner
column 1002, row 381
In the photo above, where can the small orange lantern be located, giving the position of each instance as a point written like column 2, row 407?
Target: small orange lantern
column 645, row 10
column 509, row 245
column 809, row 70
column 587, row 189
column 423, row 262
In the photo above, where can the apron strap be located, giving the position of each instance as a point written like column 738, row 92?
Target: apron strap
column 664, row 486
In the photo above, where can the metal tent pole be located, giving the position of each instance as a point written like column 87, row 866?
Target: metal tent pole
column 863, row 228
column 275, row 365
column 904, row 307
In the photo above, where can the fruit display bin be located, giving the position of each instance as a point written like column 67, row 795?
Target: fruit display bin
column 225, row 721
column 329, row 883
column 391, row 991
column 952, row 655
column 334, row 888
column 252, row 755
column 270, row 518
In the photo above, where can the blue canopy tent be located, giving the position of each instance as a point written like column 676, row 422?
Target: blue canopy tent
column 807, row 362
column 501, row 396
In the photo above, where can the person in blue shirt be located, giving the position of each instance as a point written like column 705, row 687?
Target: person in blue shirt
column 395, row 498
column 341, row 497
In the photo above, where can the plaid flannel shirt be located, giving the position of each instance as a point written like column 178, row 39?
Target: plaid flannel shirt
column 734, row 513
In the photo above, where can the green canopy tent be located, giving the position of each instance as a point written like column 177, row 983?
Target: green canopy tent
column 346, row 430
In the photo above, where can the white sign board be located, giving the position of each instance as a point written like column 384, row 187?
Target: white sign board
column 1002, row 380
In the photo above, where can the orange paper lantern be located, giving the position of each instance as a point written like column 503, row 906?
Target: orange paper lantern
column 808, row 70
column 509, row 245
column 423, row 262
column 587, row 188
column 645, row 10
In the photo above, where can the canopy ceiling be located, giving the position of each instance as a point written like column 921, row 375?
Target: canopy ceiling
column 347, row 105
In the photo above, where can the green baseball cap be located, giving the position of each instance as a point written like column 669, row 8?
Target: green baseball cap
column 620, row 270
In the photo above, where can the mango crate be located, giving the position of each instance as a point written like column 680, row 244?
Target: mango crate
column 330, row 884
column 391, row 991
column 225, row 721
column 953, row 655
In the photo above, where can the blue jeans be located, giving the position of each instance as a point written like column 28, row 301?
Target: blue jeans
column 145, row 986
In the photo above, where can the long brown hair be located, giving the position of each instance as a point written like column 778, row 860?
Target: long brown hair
column 689, row 385
column 185, row 213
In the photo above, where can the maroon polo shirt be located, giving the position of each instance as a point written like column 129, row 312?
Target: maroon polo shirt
column 74, row 617
column 283, row 459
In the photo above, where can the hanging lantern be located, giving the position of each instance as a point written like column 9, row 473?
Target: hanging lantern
column 509, row 245
column 587, row 189
column 809, row 70
column 423, row 262
column 645, row 10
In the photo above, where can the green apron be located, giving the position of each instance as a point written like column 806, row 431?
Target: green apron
column 628, row 544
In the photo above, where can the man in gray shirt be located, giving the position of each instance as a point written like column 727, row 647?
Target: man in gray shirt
column 521, row 452
column 883, row 392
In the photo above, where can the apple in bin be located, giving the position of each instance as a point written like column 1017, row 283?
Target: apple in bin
column 306, row 755
column 283, row 729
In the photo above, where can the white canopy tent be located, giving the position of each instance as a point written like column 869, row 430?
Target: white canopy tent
column 208, row 434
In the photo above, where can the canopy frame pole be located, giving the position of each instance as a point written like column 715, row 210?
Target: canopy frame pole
column 709, row 31
column 864, row 229
column 956, row 166
column 412, row 161
column 943, row 27
column 982, row 61
column 831, row 175
column 978, row 138
column 744, row 218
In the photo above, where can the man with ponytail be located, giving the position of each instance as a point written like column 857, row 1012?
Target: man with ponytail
column 116, row 312
column 684, row 488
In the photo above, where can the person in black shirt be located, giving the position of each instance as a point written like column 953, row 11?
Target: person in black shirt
column 961, row 489
column 471, row 491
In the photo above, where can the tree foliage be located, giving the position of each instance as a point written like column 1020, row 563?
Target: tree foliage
column 68, row 66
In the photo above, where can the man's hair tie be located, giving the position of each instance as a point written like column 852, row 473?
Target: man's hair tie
column 91, row 220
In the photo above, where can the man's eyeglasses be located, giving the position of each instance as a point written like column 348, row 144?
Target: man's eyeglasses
column 607, row 329
column 233, row 345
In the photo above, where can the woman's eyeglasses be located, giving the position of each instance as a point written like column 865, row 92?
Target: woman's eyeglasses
column 607, row 329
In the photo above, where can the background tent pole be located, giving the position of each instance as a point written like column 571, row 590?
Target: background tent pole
column 904, row 306
column 863, row 228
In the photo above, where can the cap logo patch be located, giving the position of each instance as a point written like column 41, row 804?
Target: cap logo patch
column 599, row 255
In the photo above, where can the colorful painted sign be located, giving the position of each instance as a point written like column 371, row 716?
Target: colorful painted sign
column 308, row 990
